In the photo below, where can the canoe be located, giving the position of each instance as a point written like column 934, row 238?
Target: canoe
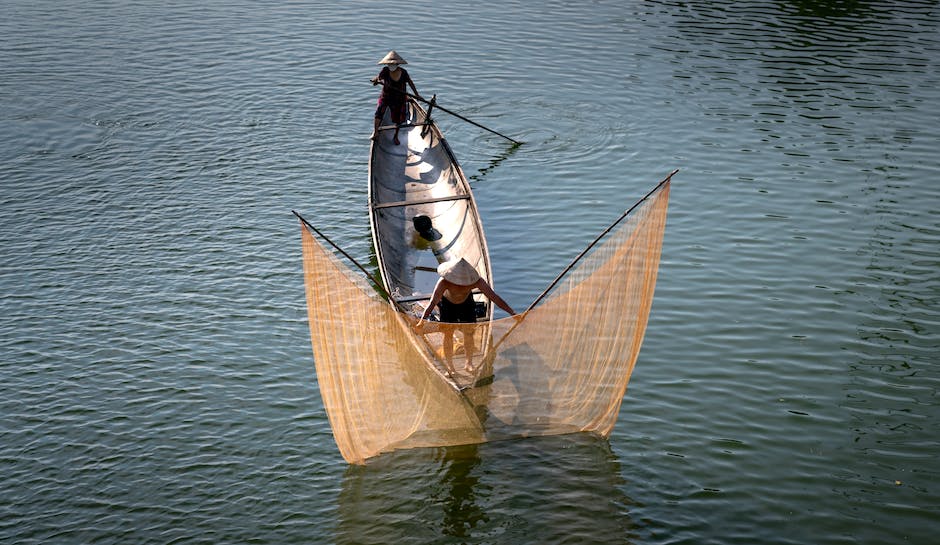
column 422, row 212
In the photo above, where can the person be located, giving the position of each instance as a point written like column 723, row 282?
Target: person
column 454, row 293
column 393, row 79
column 426, row 237
column 425, row 228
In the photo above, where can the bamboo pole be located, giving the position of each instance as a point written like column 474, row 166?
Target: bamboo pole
column 443, row 109
column 596, row 240
column 371, row 278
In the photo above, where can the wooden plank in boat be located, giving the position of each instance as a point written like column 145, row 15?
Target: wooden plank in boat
column 420, row 201
column 402, row 126
column 413, row 298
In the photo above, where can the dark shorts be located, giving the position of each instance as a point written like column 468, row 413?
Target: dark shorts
column 460, row 313
column 397, row 110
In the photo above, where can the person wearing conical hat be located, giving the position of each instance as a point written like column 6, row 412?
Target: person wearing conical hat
column 393, row 96
column 454, row 294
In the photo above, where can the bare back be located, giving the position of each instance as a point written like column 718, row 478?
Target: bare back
column 456, row 293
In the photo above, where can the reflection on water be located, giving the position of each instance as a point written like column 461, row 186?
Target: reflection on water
column 495, row 162
column 892, row 378
column 540, row 490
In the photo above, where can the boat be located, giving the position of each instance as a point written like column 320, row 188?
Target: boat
column 422, row 212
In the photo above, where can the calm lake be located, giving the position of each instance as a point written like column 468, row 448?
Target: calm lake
column 157, row 383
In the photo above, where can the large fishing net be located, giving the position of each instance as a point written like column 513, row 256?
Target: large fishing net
column 562, row 367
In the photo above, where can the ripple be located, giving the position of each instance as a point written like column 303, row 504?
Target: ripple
column 158, row 385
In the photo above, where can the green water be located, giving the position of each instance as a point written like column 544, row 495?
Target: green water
column 157, row 383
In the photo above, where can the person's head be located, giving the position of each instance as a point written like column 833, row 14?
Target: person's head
column 458, row 271
column 422, row 224
column 425, row 229
column 393, row 60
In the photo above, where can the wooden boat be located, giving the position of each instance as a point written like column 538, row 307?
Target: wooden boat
column 422, row 212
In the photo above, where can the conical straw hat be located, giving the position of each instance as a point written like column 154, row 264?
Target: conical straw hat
column 392, row 58
column 459, row 272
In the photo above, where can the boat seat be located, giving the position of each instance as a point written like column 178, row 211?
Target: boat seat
column 425, row 297
column 413, row 298
column 420, row 201
column 402, row 126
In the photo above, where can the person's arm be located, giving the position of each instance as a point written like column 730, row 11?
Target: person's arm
column 380, row 78
column 485, row 288
column 411, row 84
column 435, row 299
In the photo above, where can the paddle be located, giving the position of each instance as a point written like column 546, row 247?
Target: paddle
column 434, row 103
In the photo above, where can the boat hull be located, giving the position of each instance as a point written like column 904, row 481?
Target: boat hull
column 421, row 177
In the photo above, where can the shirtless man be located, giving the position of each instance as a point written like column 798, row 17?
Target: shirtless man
column 453, row 293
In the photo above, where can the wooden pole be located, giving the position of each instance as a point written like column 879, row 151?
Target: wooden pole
column 443, row 109
column 371, row 278
column 573, row 263
column 596, row 240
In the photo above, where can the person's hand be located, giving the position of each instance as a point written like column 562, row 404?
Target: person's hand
column 375, row 81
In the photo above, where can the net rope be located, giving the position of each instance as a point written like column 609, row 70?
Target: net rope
column 562, row 368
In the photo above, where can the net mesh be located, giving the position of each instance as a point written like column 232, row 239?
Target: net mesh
column 562, row 368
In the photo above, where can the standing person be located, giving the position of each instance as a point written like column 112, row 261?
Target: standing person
column 393, row 79
column 454, row 294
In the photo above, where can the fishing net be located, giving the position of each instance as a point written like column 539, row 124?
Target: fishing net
column 563, row 367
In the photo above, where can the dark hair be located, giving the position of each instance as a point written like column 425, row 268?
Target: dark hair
column 422, row 224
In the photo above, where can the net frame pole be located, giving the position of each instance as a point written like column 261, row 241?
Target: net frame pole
column 596, row 240
column 369, row 275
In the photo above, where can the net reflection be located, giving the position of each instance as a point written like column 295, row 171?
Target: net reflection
column 541, row 490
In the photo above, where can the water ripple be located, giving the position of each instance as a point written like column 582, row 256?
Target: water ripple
column 157, row 380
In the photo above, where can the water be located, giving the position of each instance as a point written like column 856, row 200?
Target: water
column 157, row 383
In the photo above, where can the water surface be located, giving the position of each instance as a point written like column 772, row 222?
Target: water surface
column 157, row 382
